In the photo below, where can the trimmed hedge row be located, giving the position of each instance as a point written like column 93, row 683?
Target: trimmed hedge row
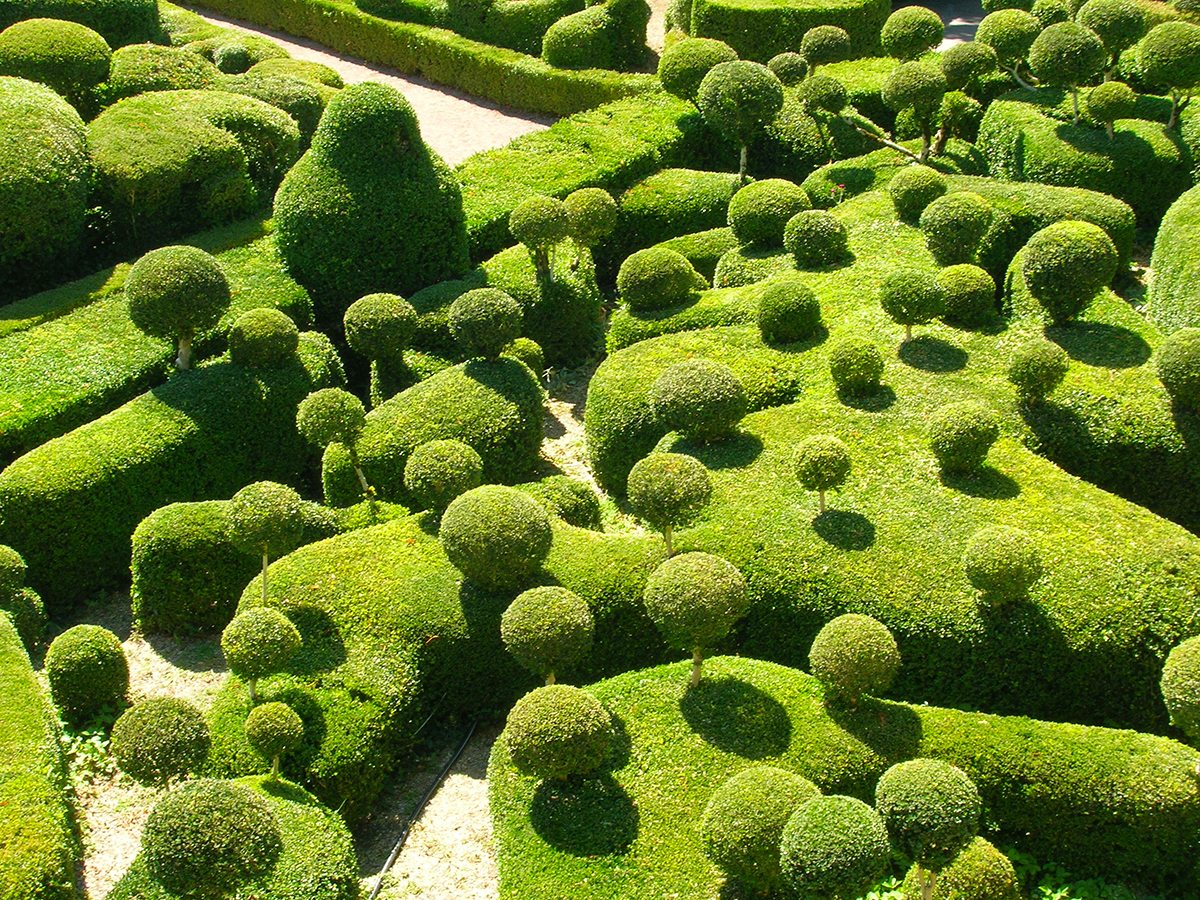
column 120, row 22
column 515, row 24
column 1175, row 290
column 759, row 31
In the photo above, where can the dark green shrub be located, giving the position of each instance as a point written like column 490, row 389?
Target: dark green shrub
column 160, row 739
column 1037, row 367
column 496, row 536
column 822, row 94
column 1174, row 297
column 205, row 838
column 822, row 463
column 1065, row 265
column 656, row 278
column 142, row 68
column 954, row 226
column 1051, row 12
column 120, row 22
column 856, row 366
column 788, row 310
column 295, row 96
column 232, row 58
column 1002, row 563
column 485, row 321
column 969, row 294
column 1110, row 101
column 331, row 414
column 913, row 188
column 571, row 499
column 760, row 210
column 609, row 35
column 910, row 32
column 684, row 64
column 1169, row 55
column 853, row 655
column 911, row 297
column 540, row 223
column 825, row 44
column 1067, row 55
column 258, row 642
column 789, row 67
column 175, row 293
column 1119, row 24
column 1178, row 367
column 931, row 809
column 740, row 99
column 557, row 731
column 918, row 87
column 12, row 571
column 547, row 630
column 744, row 820
column 700, row 399
column 66, row 56
column 1180, row 687
column 22, row 604
column 833, row 847
column 439, row 471
column 960, row 435
column 272, row 730
column 591, row 215
column 816, row 238
column 979, row 871
column 380, row 327
column 668, row 489
column 527, row 351
column 87, row 670
column 1010, row 32
column 966, row 63
column 263, row 339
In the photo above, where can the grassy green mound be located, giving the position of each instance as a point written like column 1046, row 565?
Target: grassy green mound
column 1175, row 291
column 632, row 830
column 760, row 29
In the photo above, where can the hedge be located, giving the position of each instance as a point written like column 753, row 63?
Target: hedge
column 855, row 175
column 120, row 22
column 759, row 31
column 501, row 23
column 1174, row 300
column 703, row 249
column 710, row 309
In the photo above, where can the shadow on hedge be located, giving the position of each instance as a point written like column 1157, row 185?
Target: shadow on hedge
column 930, row 354
column 737, row 717
column 1098, row 344
column 844, row 529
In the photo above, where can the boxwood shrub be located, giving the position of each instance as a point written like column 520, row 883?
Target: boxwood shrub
column 759, row 32
column 119, row 21
column 1175, row 290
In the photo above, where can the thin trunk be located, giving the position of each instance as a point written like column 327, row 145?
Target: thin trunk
column 1075, row 103
column 1108, row 126
column 550, row 678
column 184, row 359
column 925, row 143
column 742, row 166
column 697, row 662
column 362, row 480
column 1174, row 108
column 1017, row 76
column 252, row 687
column 264, row 577
column 542, row 263
column 821, row 500
column 275, row 767
column 900, row 148
column 928, row 882
column 907, row 333
column 939, row 141
column 667, row 535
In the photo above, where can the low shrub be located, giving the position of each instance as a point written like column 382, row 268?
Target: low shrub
column 160, row 739
column 439, row 471
column 911, row 297
column 789, row 67
column 833, row 846
column 656, row 278
column 1037, row 367
column 969, row 294
column 960, row 435
column 23, row 605
column 788, row 310
column 1178, row 366
column 87, row 670
column 496, row 536
column 913, row 188
column 592, row 38
column 142, row 68
column 853, row 655
column 954, row 225
column 743, row 266
column 979, row 871
column 307, row 69
column 856, row 366
column 1065, row 265
column 1179, row 685
column 931, row 809
column 1176, row 286
column 699, row 398
column 759, row 211
column 1002, row 563
column 547, row 630
column 571, row 499
column 66, row 56
column 557, row 731
column 815, row 238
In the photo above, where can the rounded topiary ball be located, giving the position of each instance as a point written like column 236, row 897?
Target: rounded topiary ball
column 824, row 44
column 1110, row 101
column 656, row 278
column 539, row 222
column 1037, row 367
column 1180, row 685
column 266, row 517
column 968, row 293
column 914, row 85
column 853, row 655
column 1066, row 264
column 212, row 833
column 1002, row 562
column 87, row 670
column 815, row 238
column 821, row 462
column 911, row 297
column 1178, row 366
column 979, row 871
column 739, row 99
column 263, row 339
column 591, row 215
column 66, row 56
column 856, row 366
column 684, row 64
column 529, row 352
column 12, row 572
column 1050, row 12
column 910, row 32
column 571, row 499
column 695, row 598
column 961, row 434
column 1010, row 32
column 176, row 290
column 547, row 629
column 160, row 739
column 484, row 321
column 833, row 847
column 557, row 731
column 496, row 536
column 790, row 68
column 822, row 94
column 744, row 820
column 668, row 489
column 954, row 225
column 931, row 809
column 232, row 58
column 1066, row 54
column 965, row 63
column 913, row 188
column 258, row 642
column 273, row 729
column 759, row 212
column 788, row 310
column 699, row 398
column 330, row 414
column 380, row 326
column 438, row 471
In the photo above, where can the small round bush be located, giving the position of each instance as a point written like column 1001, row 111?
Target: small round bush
column 557, row 731
column 853, row 655
column 438, row 471
column 485, row 321
column 496, row 536
column 969, row 294
column 668, row 489
column 914, row 85
column 1110, row 101
column 539, row 222
column 759, row 211
column 12, row 571
column 833, row 847
column 910, row 32
column 684, row 64
column 695, row 598
column 788, row 310
column 1010, row 32
column 259, row 642
column 961, row 434
column 911, row 297
column 1178, row 367
column 263, row 339
column 142, row 68
column 1051, row 12
column 821, row 462
column 816, row 238
column 823, row 94
column 965, row 63
column 266, row 518
column 825, row 44
column 380, row 326
column 87, row 670
column 160, row 739
column 790, row 68
column 66, row 56
column 740, row 98
column 273, row 730
column 931, row 809
column 232, row 58
column 217, row 834
column 1037, row 367
column 175, row 293
column 547, row 629
column 856, row 366
column 656, row 278
column 330, row 414
column 979, row 871
column 701, row 399
column 571, row 499
column 954, row 225
column 913, row 188
column 527, row 351
column 1119, row 23
column 1067, row 55
column 744, row 820
column 1002, row 563
column 591, row 215
column 1180, row 685
column 1065, row 265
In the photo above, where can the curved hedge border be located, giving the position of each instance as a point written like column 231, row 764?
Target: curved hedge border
column 1175, row 290
column 759, row 30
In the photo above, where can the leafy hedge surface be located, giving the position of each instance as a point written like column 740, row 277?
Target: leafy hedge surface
column 1175, row 290
column 632, row 831
column 502, row 23
column 120, row 22
column 759, row 31
column 38, row 845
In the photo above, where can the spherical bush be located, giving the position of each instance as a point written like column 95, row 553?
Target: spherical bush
column 701, row 399
column 684, row 64
column 961, row 434
column 263, row 339
column 965, row 63
column 438, row 471
column 823, row 94
column 1169, row 54
column 12, row 571
column 547, row 629
column 931, row 809
column 979, row 871
column 910, row 32
column 259, row 642
column 740, row 99
column 557, row 731
column 496, row 536
column 1178, row 366
column 591, row 215
column 954, row 225
column 1066, row 54
column 1010, row 32
column 330, row 414
column 66, row 56
column 854, row 655
column 913, row 188
column 232, row 58
column 695, row 598
column 1051, row 12
column 1110, row 101
column 273, row 729
column 215, row 834
column 668, row 489
column 968, row 293
column 744, row 820
column 539, row 222
column 914, row 85
column 788, row 310
column 825, row 44
column 266, row 517
column 380, row 326
column 1002, row 562
column 911, row 297
column 527, row 351
column 1066, row 264
column 790, row 68
column 484, row 321
column 176, row 291
column 656, row 278
column 87, row 670
column 821, row 462
column 1180, row 687
column 572, row 500
column 856, row 366
column 1038, row 366
column 759, row 211
column 816, row 238
column 833, row 847
column 160, row 739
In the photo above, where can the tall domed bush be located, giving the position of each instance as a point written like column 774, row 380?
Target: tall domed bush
column 788, row 310
column 684, row 64
column 484, row 321
column 856, row 366
column 1036, row 368
column 496, row 536
column 557, row 731
column 913, row 188
column 760, row 210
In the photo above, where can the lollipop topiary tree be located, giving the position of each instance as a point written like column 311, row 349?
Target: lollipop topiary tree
column 853, row 655
column 683, row 64
column 591, row 217
column 259, row 642
column 381, row 327
column 1067, row 55
column 484, row 321
column 822, row 463
column 964, row 65
column 496, row 536
column 265, row 519
column 334, row 414
column 918, row 87
column 540, row 223
column 740, row 99
column 824, row 44
column 272, row 730
column 557, row 731
column 547, row 629
column 1010, row 32
column 790, row 67
column 1118, row 23
column 1110, row 101
column 1169, row 55
column 911, row 297
column 910, row 32
column 1002, row 563
column 667, row 490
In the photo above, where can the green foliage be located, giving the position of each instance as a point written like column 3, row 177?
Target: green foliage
column 496, row 536
column 822, row 462
column 853, row 655
column 1178, row 367
column 911, row 297
column 788, row 310
column 1010, row 32
column 910, row 32
column 265, row 519
column 176, row 292
column 380, row 327
column 1037, row 367
column 656, row 278
column 760, row 210
column 331, row 414
column 966, row 63
column 258, row 642
column 273, row 729
column 760, row 32
column 816, row 238
column 1002, row 563
column 87, row 670
column 120, row 22
column 572, row 500
column 915, row 86
column 12, row 571
column 823, row 94
column 699, row 398
column 1118, row 23
column 539, row 223
column 28, row 615
column 684, row 64
column 142, row 68
column 66, row 56
column 790, row 67
column 485, row 321
column 440, row 470
column 591, row 215
column 954, row 226
column 296, row 96
column 557, row 731
column 694, row 599
column 969, row 294
column 931, row 809
column 307, row 69
column 160, row 739
column 833, row 846
column 263, row 338
column 1176, row 286
column 1065, row 266
column 856, row 366
column 547, row 630
column 961, row 434
column 1180, row 686
column 1067, row 55
column 913, row 188
column 740, row 99
column 1051, row 12
column 1169, row 55
column 528, row 352
column 979, row 871
column 609, row 35
column 1111, row 100
column 668, row 489
column 825, row 44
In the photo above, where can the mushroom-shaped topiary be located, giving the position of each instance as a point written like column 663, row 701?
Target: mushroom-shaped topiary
column 931, row 809
column 206, row 837
column 160, row 739
column 918, row 87
column 175, row 293
column 66, row 56
column 913, row 188
column 701, row 399
column 833, row 847
column 788, row 310
column 824, row 44
column 966, row 63
column 954, row 225
column 822, row 94
column 496, row 536
column 1067, row 55
column 1010, row 32
column 1002, row 563
column 760, row 210
column 1119, row 23
column 438, row 471
column 557, row 731
column 911, row 297
column 265, row 519
column 656, row 278
column 668, row 489
column 1066, row 264
column 540, row 223
column 591, row 217
column 1178, row 367
column 694, row 599
column 856, row 366
column 740, row 99
column 1036, row 368
column 789, row 67
column 547, row 629
column 961, row 434
column 87, row 670
column 381, row 328
column 822, row 463
column 1180, row 685
column 484, row 321
column 1169, row 54
column 1110, row 101
column 969, row 294
column 334, row 414
column 816, row 238
column 911, row 31
column 979, row 871
column 272, row 730
column 259, row 642
column 684, row 64
column 744, row 820
column 263, row 339
column 853, row 655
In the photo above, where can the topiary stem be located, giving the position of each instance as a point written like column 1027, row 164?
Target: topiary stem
column 1108, row 126
column 550, row 678
column 928, row 881
column 1075, row 103
column 890, row 144
column 184, row 359
column 252, row 687
column 275, row 768
column 907, row 333
column 697, row 662
column 667, row 535
column 821, row 500
column 368, row 493
column 1017, row 76
column 742, row 166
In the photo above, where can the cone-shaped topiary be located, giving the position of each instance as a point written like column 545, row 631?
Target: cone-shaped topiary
column 760, row 210
column 1110, row 101
column 1169, row 54
column 853, row 655
column 788, row 310
column 160, row 739
column 824, row 44
column 1037, row 367
column 668, row 489
column 789, row 67
column 833, row 847
column 484, row 321
column 961, row 434
column 265, row 519
column 1067, row 55
column 684, row 64
column 913, row 188
column 1178, row 366
column 656, row 278
column 910, row 32
column 540, row 223
column 816, row 238
column 273, row 730
column 259, row 642
column 547, row 629
column 740, row 99
column 979, row 871
column 1065, row 265
column 964, row 64
column 175, row 293
column 438, row 471
column 822, row 463
column 66, row 56
column 969, row 294
column 701, row 399
column 1180, row 685
column 856, row 366
column 954, row 225
column 911, row 297
column 263, row 339
column 87, row 670
column 931, row 809
column 557, row 731
column 1002, row 563
column 496, row 536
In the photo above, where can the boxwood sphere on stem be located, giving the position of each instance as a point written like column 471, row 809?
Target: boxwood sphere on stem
column 547, row 629
column 496, row 536
column 668, row 489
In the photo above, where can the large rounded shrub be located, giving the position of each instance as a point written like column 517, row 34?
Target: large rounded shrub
column 66, row 56
column 258, row 642
column 668, row 489
column 856, row 366
column 557, row 731
column 684, row 64
column 913, row 188
column 961, row 434
column 816, row 238
column 1119, row 23
column 833, row 847
column 380, row 326
column 263, row 338
column 788, row 310
column 1066, row 55
column 160, row 739
column 853, row 655
column 1178, row 366
column 695, row 598
column 496, row 536
column 911, row 31
column 656, row 278
column 1036, row 368
column 438, row 471
column 87, row 670
column 760, row 210
column 297, row 97
column 1066, row 264
column 954, row 225
column 484, row 321
column 931, row 809
column 968, row 294
column 547, row 629
column 979, row 871
column 1180, row 685
column 1002, row 563
column 701, row 399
